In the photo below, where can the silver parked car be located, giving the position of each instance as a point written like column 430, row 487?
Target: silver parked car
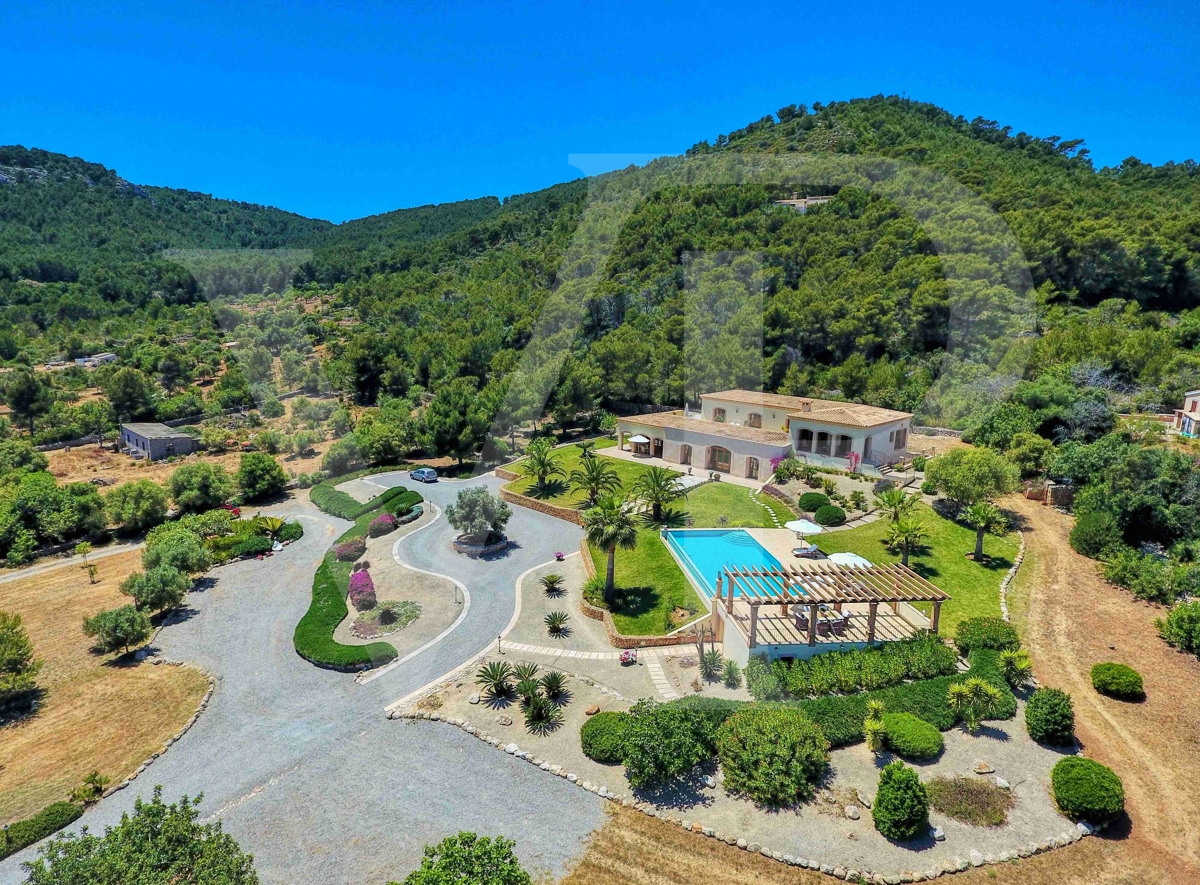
column 424, row 474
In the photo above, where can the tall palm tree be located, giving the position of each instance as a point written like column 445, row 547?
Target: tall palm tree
column 542, row 461
column 904, row 534
column 983, row 517
column 895, row 504
column 595, row 477
column 609, row 525
column 658, row 487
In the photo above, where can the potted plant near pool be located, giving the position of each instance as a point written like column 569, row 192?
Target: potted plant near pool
column 480, row 518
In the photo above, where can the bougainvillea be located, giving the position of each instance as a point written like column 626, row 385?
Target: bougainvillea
column 381, row 525
column 351, row 550
column 362, row 591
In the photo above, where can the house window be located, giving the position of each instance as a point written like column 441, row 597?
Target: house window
column 719, row 458
column 901, row 439
column 842, row 445
column 719, row 415
column 823, row 443
column 892, row 436
column 804, row 440
column 751, row 468
column 755, row 420
column 1193, row 406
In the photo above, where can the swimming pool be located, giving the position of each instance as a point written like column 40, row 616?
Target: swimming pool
column 704, row 552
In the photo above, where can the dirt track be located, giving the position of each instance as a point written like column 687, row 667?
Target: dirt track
column 1071, row 619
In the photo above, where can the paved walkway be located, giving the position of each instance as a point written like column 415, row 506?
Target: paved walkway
column 285, row 748
column 662, row 682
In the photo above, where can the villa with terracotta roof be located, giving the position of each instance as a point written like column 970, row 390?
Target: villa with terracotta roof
column 741, row 431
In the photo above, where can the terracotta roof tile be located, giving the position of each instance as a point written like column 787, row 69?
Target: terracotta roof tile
column 822, row 410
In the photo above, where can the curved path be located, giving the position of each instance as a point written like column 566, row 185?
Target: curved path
column 300, row 764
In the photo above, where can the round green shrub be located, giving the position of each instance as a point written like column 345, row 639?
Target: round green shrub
column 1086, row 790
column 1095, row 533
column 993, row 633
column 772, row 754
column 919, row 462
column 603, row 737
column 1181, row 627
column 829, row 515
column 929, row 487
column 1050, row 717
column 912, row 737
column 1118, row 681
column 901, row 808
column 810, row 502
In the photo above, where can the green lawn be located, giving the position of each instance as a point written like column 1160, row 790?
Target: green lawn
column 974, row 588
column 558, row 490
column 651, row 586
column 708, row 503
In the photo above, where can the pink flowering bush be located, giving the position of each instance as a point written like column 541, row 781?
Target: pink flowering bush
column 381, row 525
column 351, row 550
column 362, row 591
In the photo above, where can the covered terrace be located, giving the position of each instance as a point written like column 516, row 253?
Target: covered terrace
column 790, row 610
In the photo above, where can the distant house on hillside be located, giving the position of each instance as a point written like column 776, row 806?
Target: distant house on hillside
column 1187, row 419
column 156, row 441
column 96, row 359
column 801, row 204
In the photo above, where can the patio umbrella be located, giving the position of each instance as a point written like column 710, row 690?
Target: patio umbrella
column 638, row 439
column 803, row 527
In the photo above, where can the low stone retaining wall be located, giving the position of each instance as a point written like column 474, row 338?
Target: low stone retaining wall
column 569, row 514
column 476, row 550
column 829, row 867
column 935, row 431
column 617, row 639
column 505, row 474
column 212, row 684
column 1012, row 573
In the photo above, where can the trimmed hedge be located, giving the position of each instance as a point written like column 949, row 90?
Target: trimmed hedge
column 1118, row 681
column 912, row 737
column 811, row 502
column 993, row 633
column 253, row 546
column 829, row 515
column 291, row 531
column 1050, row 717
column 901, row 806
column 603, row 737
column 335, row 502
column 1086, row 790
column 313, row 637
column 45, row 823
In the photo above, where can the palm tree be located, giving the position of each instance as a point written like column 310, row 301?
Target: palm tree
column 905, row 534
column 894, row 503
column 658, row 487
column 271, row 525
column 542, row 461
column 609, row 525
column 585, row 448
column 983, row 517
column 595, row 477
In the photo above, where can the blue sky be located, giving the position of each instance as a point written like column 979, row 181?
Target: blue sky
column 339, row 110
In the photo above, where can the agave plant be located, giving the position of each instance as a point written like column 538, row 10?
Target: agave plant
column 554, row 685
column 1016, row 666
column 495, row 678
column 553, row 585
column 556, row 621
column 525, row 670
column 733, row 674
column 973, row 700
column 711, row 665
column 542, row 715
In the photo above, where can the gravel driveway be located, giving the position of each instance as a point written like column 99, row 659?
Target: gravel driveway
column 300, row 764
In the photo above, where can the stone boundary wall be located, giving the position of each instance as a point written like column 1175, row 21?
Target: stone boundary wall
column 212, row 684
column 830, row 867
column 507, row 475
column 565, row 513
column 935, row 431
column 589, row 565
column 1012, row 573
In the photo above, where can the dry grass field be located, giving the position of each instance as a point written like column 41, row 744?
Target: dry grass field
column 96, row 713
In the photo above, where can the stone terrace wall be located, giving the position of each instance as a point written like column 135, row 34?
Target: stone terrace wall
column 569, row 514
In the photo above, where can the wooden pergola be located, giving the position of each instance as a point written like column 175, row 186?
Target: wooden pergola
column 826, row 584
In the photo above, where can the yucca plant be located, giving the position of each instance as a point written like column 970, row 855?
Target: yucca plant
column 553, row 585
column 973, row 700
column 554, row 685
column 92, row 788
column 495, row 678
column 271, row 525
column 542, row 715
column 711, row 665
column 1016, row 667
column 733, row 674
column 526, row 670
column 527, row 690
column 556, row 621
column 873, row 728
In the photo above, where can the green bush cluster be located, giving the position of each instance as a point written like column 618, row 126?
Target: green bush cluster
column 329, row 499
column 901, row 806
column 993, row 633
column 1118, row 681
column 1086, row 790
column 1181, row 626
column 912, row 737
column 811, row 502
column 46, row 822
column 603, row 737
column 921, row 657
column 772, row 753
column 255, row 545
column 1050, row 717
column 291, row 531
column 829, row 515
column 1095, row 534
column 666, row 741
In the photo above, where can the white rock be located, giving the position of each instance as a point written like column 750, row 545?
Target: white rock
column 1084, row 828
column 852, row 812
column 1003, row 784
column 938, row 834
column 976, row 858
column 742, row 843
column 474, row 698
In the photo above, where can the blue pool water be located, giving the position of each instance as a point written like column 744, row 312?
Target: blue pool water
column 705, row 552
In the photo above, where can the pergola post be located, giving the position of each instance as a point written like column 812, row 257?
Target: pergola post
column 937, row 615
column 812, row 623
column 729, row 596
column 620, row 440
column 872, row 608
column 753, row 624
column 720, row 580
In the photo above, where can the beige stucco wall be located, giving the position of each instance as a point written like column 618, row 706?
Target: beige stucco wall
column 674, row 438
column 739, row 413
column 883, row 449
